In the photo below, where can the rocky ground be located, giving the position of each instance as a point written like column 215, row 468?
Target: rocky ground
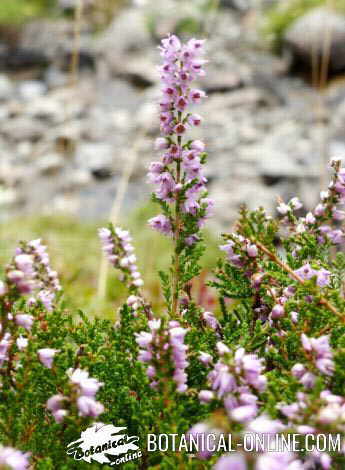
column 64, row 147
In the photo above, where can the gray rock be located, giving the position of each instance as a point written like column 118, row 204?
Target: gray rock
column 241, row 5
column 127, row 35
column 22, row 128
column 50, row 164
column 6, row 88
column 311, row 34
column 95, row 156
column 31, row 89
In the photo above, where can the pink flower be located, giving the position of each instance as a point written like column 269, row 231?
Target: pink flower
column 24, row 320
column 244, row 413
column 197, row 95
column 252, row 251
column 46, row 356
column 236, row 461
column 3, row 289
column 90, row 386
column 222, row 348
column 194, row 120
column 278, row 311
column 265, row 425
column 205, row 358
column 24, row 263
column 210, row 320
column 87, row 406
column 298, row 370
column 143, row 339
column 306, row 272
column 310, row 219
column 197, row 145
column 308, row 380
column 206, row 396
column 55, row 402
column 278, row 461
column 59, row 415
column 319, row 210
column 14, row 459
column 161, row 223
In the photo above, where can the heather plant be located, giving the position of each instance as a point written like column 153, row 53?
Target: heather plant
column 268, row 361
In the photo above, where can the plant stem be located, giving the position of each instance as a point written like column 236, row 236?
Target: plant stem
column 176, row 267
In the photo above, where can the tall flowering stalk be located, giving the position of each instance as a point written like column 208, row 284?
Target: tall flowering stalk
column 30, row 273
column 181, row 189
column 117, row 246
column 164, row 352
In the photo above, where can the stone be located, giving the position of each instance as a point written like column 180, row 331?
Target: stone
column 50, row 164
column 311, row 33
column 95, row 156
column 8, row 196
column 222, row 81
column 241, row 5
column 132, row 39
column 6, row 88
column 22, row 128
column 47, row 108
column 31, row 89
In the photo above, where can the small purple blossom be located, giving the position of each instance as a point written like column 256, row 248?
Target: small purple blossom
column 117, row 246
column 88, row 406
column 161, row 223
column 46, row 356
column 14, row 459
column 24, row 320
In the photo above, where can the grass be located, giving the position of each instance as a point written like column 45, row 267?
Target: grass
column 75, row 253
column 16, row 12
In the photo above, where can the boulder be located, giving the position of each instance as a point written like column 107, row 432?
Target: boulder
column 313, row 32
column 126, row 37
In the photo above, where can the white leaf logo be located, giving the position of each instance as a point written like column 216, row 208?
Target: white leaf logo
column 100, row 441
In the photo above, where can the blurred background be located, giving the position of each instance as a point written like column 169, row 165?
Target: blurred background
column 78, row 116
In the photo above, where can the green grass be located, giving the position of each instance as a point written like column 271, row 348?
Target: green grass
column 75, row 253
column 16, row 12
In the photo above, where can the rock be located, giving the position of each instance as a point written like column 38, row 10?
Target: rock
column 241, row 5
column 50, row 164
column 310, row 34
column 22, row 59
column 139, row 72
column 8, row 196
column 31, row 89
column 96, row 157
column 222, row 81
column 47, row 108
column 9, row 175
column 6, row 88
column 77, row 179
column 120, row 42
column 22, row 128
column 37, row 36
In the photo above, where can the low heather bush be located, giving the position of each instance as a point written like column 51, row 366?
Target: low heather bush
column 269, row 361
